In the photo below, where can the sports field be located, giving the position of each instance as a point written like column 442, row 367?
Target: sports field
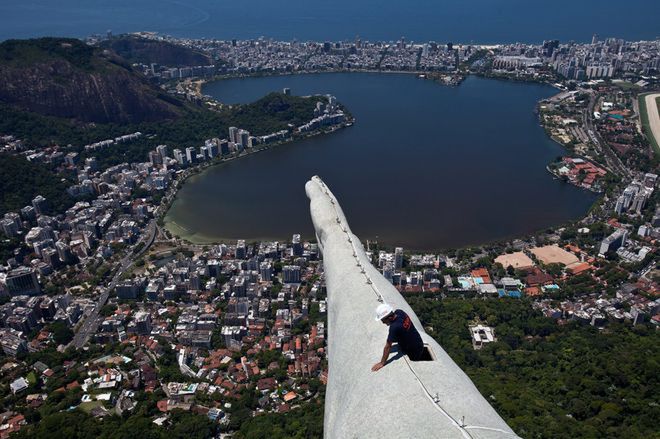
column 515, row 260
column 553, row 254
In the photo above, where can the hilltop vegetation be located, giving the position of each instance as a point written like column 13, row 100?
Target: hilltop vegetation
column 26, row 53
column 550, row 381
column 66, row 78
column 146, row 51
column 79, row 425
column 22, row 181
column 271, row 113
column 305, row 422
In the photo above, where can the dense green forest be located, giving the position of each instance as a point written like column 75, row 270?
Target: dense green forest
column 551, row 381
column 37, row 130
column 7, row 246
column 77, row 424
column 271, row 113
column 22, row 181
column 305, row 422
column 146, row 51
column 29, row 52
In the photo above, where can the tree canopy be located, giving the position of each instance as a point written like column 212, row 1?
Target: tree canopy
column 548, row 380
column 22, row 181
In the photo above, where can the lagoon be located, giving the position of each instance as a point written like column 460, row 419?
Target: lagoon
column 425, row 166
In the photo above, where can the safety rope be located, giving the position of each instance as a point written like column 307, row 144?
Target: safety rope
column 434, row 399
column 436, row 403
column 344, row 228
column 351, row 241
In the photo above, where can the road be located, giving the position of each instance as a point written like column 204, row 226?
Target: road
column 612, row 160
column 653, row 114
column 91, row 323
column 646, row 270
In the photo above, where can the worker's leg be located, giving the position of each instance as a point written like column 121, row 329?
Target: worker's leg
column 417, row 355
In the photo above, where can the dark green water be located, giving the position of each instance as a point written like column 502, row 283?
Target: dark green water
column 425, row 166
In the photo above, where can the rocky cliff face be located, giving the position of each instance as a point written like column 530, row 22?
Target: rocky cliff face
column 66, row 78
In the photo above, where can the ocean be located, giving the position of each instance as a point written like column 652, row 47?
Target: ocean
column 479, row 21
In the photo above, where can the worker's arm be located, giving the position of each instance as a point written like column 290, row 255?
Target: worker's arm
column 383, row 360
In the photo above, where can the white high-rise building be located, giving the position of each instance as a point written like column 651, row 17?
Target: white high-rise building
column 628, row 195
column 179, row 157
column 243, row 138
column 233, row 132
column 296, row 246
column 613, row 242
column 398, row 258
column 40, row 204
column 241, row 249
column 191, row 154
column 266, row 271
column 162, row 150
column 638, row 202
column 618, row 207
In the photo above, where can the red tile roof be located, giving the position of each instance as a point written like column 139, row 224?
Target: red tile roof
column 162, row 405
column 533, row 291
column 580, row 268
column 72, row 385
column 483, row 274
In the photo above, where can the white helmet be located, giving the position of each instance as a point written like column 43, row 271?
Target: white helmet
column 383, row 310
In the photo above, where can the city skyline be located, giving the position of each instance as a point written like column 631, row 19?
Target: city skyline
column 116, row 323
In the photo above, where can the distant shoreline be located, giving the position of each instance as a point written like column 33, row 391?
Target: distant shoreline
column 198, row 238
column 182, row 232
column 199, row 83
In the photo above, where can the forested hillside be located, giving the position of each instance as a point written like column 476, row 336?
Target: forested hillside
column 22, row 181
column 65, row 77
column 147, row 51
column 552, row 381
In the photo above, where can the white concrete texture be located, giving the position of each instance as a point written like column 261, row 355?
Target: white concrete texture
column 433, row 399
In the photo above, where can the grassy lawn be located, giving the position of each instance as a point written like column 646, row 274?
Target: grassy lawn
column 31, row 377
column 625, row 85
column 87, row 407
column 644, row 116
